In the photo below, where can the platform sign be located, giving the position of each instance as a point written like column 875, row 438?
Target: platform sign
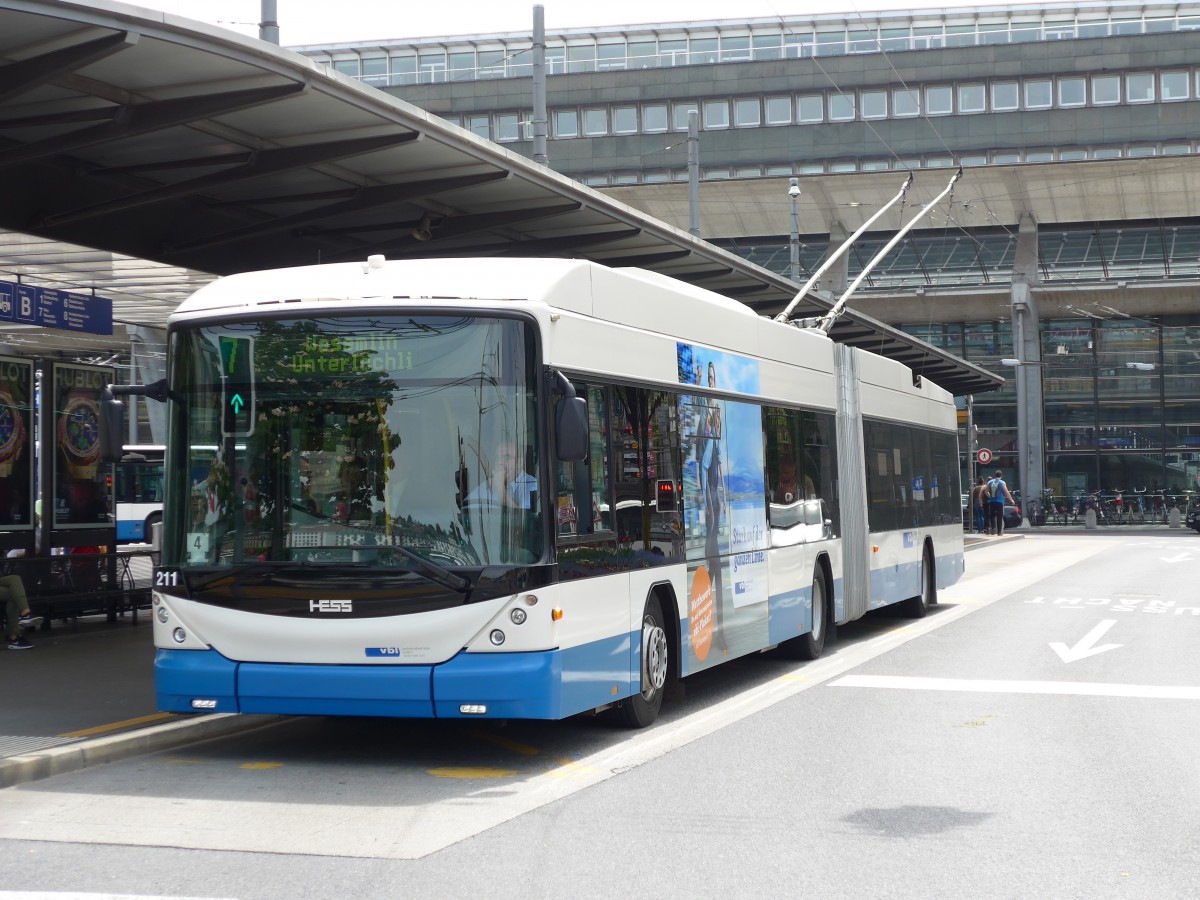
column 16, row 444
column 984, row 456
column 54, row 308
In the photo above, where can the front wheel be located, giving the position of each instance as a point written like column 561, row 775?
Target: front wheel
column 811, row 645
column 642, row 708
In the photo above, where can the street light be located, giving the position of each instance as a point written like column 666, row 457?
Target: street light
column 794, row 245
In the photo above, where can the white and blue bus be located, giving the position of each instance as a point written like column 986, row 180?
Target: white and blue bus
column 524, row 488
column 138, row 491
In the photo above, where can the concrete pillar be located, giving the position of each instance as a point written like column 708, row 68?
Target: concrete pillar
column 837, row 278
column 1027, row 347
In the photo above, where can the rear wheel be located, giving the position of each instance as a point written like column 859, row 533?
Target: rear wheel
column 810, row 645
column 148, row 529
column 642, row 708
column 919, row 605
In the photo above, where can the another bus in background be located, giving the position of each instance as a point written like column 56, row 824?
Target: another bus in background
column 138, row 491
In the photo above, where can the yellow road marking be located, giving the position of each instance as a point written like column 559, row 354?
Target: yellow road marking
column 569, row 769
column 261, row 765
column 117, row 726
column 472, row 772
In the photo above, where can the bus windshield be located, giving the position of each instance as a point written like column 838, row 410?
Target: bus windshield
column 361, row 440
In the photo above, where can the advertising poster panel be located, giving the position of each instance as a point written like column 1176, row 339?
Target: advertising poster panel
column 80, row 477
column 16, row 444
column 725, row 514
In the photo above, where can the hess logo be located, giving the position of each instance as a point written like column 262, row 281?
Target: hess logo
column 330, row 606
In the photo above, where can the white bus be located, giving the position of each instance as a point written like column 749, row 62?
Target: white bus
column 138, row 491
column 386, row 496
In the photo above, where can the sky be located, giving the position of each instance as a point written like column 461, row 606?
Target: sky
column 304, row 22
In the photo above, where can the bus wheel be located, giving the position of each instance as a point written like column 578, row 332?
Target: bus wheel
column 642, row 709
column 810, row 645
column 919, row 605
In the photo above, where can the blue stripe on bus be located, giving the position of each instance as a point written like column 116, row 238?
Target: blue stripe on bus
column 129, row 530
column 901, row 581
column 549, row 684
column 789, row 615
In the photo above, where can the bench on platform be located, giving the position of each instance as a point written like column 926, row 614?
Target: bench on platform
column 72, row 585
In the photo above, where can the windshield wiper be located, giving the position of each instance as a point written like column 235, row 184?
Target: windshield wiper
column 426, row 568
column 199, row 584
column 433, row 571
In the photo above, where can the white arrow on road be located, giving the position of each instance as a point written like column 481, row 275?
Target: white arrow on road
column 1179, row 557
column 1087, row 644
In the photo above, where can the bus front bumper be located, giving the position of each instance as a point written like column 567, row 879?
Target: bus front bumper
column 471, row 685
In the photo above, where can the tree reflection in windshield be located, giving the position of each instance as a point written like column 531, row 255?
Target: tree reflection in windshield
column 367, row 432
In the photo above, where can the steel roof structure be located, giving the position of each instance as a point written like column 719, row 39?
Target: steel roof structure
column 161, row 139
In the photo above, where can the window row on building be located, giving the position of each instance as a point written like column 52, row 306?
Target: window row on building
column 967, row 98
column 674, row 44
column 900, row 163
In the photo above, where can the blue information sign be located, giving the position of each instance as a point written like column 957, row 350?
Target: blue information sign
column 54, row 308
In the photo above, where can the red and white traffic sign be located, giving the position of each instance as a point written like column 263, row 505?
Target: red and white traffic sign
column 984, row 455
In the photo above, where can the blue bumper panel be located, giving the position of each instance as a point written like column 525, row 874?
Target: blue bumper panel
column 510, row 685
column 278, row 688
column 181, row 676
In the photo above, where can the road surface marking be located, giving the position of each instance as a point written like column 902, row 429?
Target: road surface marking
column 117, row 726
column 988, row 686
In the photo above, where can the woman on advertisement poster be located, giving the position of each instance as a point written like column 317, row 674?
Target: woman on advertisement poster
column 712, row 486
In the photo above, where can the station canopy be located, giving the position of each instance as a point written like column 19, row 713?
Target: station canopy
column 142, row 154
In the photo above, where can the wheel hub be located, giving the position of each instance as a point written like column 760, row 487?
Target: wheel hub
column 654, row 657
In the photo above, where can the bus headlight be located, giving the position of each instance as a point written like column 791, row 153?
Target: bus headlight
column 163, row 615
column 180, row 635
column 518, row 616
column 497, row 636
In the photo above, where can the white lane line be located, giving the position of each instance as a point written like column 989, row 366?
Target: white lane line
column 73, row 895
column 987, row 686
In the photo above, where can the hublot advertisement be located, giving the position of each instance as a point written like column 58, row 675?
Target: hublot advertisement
column 80, row 483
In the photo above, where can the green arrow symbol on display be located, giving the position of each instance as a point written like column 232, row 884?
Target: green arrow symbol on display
column 237, row 403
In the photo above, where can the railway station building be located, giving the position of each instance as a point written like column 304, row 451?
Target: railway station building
column 1066, row 257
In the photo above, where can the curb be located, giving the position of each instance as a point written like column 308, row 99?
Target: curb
column 69, row 758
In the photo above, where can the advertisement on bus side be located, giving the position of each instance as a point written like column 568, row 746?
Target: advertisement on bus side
column 724, row 501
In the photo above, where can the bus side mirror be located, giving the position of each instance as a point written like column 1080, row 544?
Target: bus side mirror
column 112, row 422
column 571, row 429
column 570, row 420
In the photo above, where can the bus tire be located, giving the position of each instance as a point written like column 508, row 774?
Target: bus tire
column 811, row 644
column 917, row 607
column 642, row 708
column 151, row 520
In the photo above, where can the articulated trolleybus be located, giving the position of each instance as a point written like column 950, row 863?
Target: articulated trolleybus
column 524, row 489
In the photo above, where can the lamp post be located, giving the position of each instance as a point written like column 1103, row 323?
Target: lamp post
column 794, row 244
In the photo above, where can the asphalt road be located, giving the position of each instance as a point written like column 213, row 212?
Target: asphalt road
column 1035, row 736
